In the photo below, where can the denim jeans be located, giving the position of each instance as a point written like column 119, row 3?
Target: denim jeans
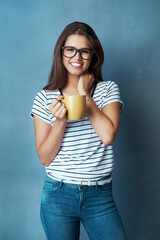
column 64, row 206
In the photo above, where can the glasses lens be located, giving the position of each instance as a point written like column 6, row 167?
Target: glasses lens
column 69, row 52
column 86, row 53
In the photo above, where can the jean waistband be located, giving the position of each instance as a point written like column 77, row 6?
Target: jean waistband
column 101, row 181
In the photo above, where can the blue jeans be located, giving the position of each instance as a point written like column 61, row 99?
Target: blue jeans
column 64, row 205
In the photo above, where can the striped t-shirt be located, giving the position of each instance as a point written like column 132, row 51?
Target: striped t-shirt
column 82, row 155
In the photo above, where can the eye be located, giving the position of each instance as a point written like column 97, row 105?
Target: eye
column 87, row 51
column 68, row 49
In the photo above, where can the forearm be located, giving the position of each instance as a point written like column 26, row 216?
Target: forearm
column 101, row 123
column 50, row 146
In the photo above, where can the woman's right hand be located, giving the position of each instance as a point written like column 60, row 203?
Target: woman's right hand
column 58, row 109
column 49, row 138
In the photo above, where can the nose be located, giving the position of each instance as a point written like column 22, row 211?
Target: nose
column 78, row 55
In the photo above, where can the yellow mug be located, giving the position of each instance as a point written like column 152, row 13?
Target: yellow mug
column 76, row 106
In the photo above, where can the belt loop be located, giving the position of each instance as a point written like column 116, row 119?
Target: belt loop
column 96, row 184
column 81, row 184
column 61, row 182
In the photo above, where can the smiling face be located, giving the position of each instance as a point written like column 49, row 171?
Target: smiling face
column 76, row 66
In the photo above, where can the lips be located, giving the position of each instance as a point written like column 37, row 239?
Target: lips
column 76, row 65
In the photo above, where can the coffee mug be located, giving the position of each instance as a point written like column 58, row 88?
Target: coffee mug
column 76, row 106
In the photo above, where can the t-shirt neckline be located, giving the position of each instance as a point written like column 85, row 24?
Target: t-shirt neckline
column 91, row 94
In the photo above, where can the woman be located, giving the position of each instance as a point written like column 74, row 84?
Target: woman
column 78, row 155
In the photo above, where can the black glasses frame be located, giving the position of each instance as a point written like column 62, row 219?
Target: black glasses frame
column 78, row 50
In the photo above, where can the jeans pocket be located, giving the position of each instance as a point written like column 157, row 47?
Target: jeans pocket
column 51, row 187
column 106, row 188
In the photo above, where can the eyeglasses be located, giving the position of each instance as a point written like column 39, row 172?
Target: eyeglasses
column 85, row 53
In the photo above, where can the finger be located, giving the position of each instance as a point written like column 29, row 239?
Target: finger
column 63, row 113
column 54, row 109
column 55, row 101
column 53, row 104
column 60, row 112
column 58, row 106
column 60, row 97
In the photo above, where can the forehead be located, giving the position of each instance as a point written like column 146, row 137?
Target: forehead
column 77, row 41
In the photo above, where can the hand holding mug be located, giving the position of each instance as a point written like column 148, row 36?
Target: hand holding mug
column 58, row 109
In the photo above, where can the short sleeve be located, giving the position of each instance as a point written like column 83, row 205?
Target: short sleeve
column 40, row 107
column 111, row 93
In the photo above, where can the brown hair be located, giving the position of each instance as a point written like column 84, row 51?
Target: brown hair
column 58, row 74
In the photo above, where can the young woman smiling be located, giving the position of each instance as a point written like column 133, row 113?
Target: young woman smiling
column 78, row 155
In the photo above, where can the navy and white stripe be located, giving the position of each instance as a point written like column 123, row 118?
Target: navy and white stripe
column 82, row 155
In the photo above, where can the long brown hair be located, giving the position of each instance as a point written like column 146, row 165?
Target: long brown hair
column 58, row 74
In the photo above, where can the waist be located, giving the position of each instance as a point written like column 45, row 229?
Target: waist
column 101, row 181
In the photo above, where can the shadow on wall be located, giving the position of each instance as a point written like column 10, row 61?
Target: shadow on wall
column 136, row 174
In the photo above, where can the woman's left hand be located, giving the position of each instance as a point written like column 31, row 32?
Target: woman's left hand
column 85, row 83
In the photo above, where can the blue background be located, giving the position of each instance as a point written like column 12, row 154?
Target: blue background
column 129, row 31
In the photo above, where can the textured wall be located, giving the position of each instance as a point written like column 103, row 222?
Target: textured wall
column 130, row 34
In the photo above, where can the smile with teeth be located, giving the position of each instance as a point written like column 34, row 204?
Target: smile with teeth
column 76, row 64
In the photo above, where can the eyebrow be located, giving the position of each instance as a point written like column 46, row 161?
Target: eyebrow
column 78, row 48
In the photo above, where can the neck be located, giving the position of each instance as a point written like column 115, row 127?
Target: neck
column 73, row 79
column 71, row 86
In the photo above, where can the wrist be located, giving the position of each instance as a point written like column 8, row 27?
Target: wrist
column 88, row 97
column 83, row 92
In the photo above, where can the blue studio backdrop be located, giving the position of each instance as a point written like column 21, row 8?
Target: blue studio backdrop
column 129, row 31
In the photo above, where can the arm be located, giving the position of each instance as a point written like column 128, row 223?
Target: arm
column 106, row 121
column 48, row 139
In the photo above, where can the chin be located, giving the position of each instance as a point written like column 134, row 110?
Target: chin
column 77, row 73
